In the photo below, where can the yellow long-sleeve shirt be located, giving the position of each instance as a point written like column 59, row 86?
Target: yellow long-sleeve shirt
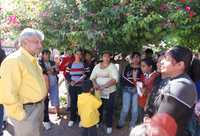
column 88, row 109
column 21, row 82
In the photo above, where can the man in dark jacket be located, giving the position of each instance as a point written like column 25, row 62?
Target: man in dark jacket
column 179, row 95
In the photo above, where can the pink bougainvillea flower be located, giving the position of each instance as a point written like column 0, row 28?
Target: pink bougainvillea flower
column 17, row 24
column 190, row 0
column 44, row 14
column 192, row 13
column 183, row 1
column 187, row 8
column 1, row 42
column 12, row 19
column 178, row 8
column 163, row 7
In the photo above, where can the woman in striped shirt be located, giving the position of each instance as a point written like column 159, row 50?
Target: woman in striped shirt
column 76, row 74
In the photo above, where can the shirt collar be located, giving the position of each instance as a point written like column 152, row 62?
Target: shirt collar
column 28, row 55
column 178, row 76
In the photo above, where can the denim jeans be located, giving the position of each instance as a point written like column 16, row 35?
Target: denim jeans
column 53, row 90
column 129, row 98
column 1, row 118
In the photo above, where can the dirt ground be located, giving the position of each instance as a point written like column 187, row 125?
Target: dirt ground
column 60, row 128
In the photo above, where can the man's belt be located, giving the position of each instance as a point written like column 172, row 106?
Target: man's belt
column 32, row 103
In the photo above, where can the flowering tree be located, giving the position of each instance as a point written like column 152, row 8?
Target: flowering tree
column 116, row 25
column 122, row 25
column 16, row 15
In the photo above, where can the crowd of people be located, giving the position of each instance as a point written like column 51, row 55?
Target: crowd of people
column 161, row 91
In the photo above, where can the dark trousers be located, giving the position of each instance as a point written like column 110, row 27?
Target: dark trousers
column 91, row 131
column 140, row 114
column 74, row 91
column 108, row 108
column 46, row 109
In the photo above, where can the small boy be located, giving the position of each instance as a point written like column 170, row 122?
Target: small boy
column 88, row 109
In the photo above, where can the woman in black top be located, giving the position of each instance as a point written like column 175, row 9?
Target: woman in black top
column 131, row 74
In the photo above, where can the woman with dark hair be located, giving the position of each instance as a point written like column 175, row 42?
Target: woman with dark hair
column 76, row 73
column 158, row 85
column 129, row 77
column 2, row 57
column 149, row 77
column 179, row 96
column 105, row 77
column 50, row 72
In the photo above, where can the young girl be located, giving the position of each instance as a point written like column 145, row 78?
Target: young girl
column 149, row 76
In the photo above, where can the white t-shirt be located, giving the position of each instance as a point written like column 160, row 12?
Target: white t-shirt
column 103, row 75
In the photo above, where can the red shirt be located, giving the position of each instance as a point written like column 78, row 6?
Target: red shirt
column 148, row 84
column 66, row 60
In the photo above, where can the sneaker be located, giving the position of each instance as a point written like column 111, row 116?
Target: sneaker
column 70, row 123
column 99, row 125
column 4, row 125
column 109, row 130
column 47, row 125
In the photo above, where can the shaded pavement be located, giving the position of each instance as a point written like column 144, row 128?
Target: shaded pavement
column 60, row 128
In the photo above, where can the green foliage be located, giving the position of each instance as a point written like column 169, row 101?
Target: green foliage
column 63, row 101
column 15, row 15
column 115, row 25
column 127, row 24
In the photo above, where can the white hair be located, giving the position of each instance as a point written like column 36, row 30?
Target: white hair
column 140, row 130
column 30, row 32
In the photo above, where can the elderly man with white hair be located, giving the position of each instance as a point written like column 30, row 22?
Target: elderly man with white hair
column 22, row 85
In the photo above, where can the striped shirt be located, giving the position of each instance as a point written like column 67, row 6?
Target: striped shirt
column 76, row 72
